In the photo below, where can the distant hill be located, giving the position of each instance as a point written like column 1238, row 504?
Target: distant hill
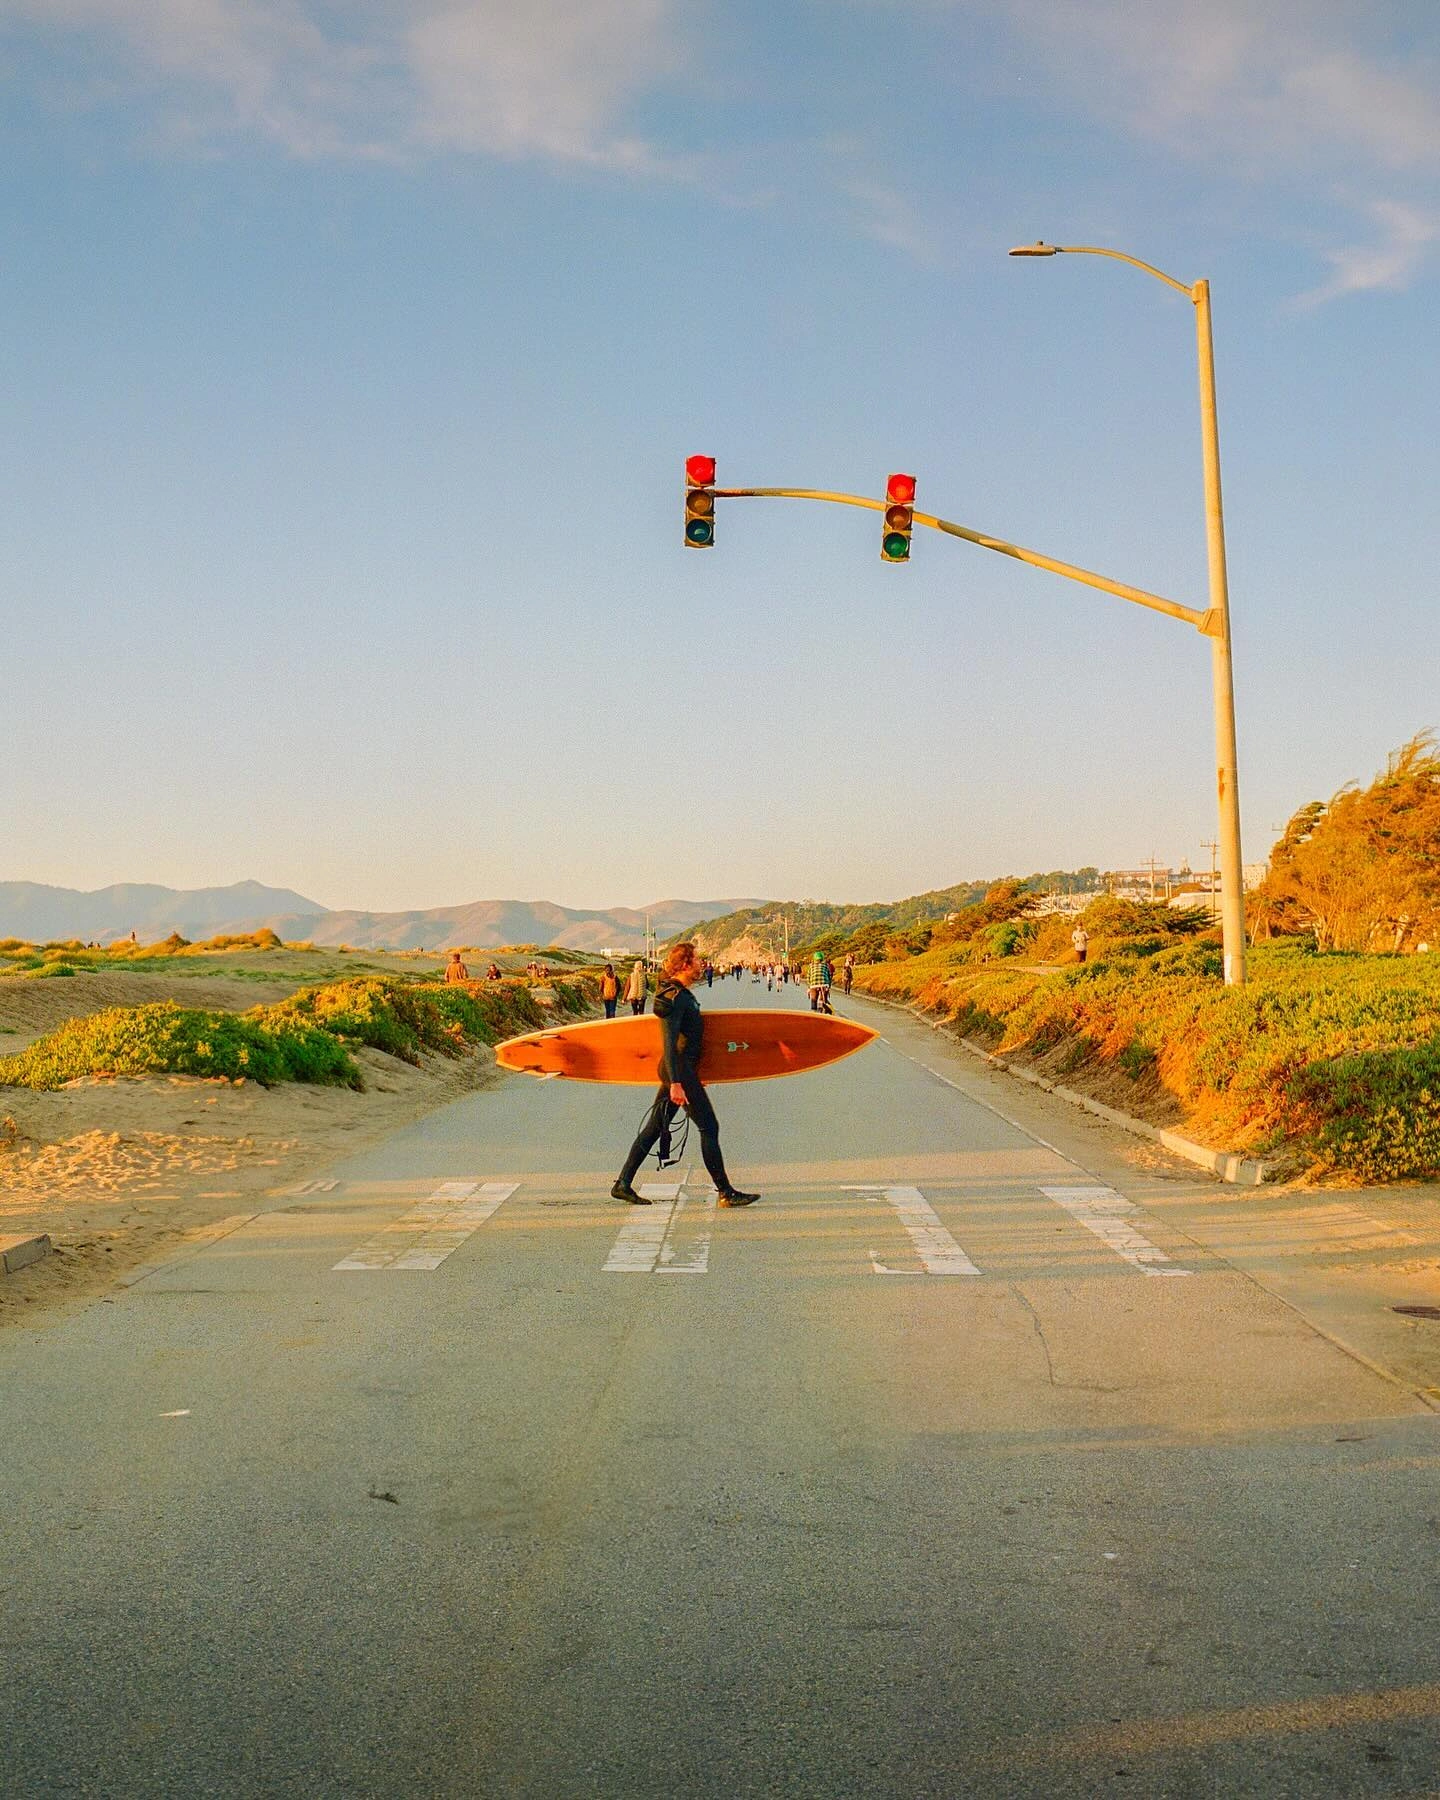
column 38, row 913
column 485, row 924
column 759, row 930
column 28, row 909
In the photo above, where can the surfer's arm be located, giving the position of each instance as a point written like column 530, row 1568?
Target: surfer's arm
column 679, row 1060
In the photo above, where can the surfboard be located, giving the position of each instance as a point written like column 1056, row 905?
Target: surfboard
column 739, row 1046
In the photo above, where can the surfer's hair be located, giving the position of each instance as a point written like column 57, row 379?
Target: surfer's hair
column 680, row 956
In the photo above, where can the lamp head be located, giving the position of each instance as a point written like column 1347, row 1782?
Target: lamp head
column 1039, row 248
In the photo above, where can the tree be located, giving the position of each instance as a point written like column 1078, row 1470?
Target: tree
column 1363, row 870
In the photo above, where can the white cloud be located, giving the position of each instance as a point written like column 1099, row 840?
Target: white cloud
column 1237, row 78
column 1390, row 263
column 1307, row 91
column 889, row 217
column 522, row 78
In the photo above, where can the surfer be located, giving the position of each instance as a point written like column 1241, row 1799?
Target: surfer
column 680, row 1085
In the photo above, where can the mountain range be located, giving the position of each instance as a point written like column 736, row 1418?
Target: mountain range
column 39, row 913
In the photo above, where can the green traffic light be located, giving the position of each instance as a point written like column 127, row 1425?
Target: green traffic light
column 700, row 531
column 897, row 546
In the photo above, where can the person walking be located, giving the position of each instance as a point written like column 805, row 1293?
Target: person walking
column 1080, row 938
column 847, row 975
column 609, row 989
column 455, row 970
column 683, row 1028
column 637, row 987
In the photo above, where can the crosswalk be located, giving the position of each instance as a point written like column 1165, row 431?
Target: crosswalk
column 1112, row 1218
column 424, row 1237
column 937, row 1250
column 654, row 1242
column 675, row 1233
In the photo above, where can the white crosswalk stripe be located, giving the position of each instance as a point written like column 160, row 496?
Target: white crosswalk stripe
column 687, row 1252
column 422, row 1238
column 938, row 1251
column 642, row 1237
column 1109, row 1215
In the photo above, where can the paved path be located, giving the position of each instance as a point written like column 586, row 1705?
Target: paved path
column 963, row 1464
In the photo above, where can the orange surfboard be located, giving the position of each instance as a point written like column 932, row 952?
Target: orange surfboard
column 739, row 1046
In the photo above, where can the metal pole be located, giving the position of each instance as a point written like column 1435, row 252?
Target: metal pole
column 1227, row 777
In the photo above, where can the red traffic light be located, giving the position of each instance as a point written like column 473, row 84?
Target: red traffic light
column 900, row 490
column 700, row 470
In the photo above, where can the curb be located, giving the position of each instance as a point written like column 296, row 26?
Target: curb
column 20, row 1252
column 1240, row 1171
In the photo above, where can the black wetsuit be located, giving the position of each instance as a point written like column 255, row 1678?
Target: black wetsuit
column 684, row 1027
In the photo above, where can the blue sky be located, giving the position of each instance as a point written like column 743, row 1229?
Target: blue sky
column 351, row 354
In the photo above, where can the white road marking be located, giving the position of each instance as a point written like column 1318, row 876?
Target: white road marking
column 694, row 1257
column 423, row 1237
column 642, row 1237
column 934, row 1245
column 1107, row 1214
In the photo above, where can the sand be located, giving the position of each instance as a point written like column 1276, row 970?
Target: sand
column 120, row 1170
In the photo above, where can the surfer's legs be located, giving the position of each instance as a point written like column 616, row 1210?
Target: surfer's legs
column 697, row 1104
column 658, row 1117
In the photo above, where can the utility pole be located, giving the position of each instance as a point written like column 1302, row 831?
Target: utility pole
column 1213, row 847
column 1153, row 866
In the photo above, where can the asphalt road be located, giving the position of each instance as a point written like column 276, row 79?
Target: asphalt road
column 955, row 1467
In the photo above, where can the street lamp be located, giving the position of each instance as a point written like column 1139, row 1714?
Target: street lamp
column 1232, row 887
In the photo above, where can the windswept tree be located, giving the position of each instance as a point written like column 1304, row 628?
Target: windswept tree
column 1363, row 870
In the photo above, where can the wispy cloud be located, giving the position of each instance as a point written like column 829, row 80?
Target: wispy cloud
column 889, row 217
column 1390, row 262
column 1235, row 79
column 551, row 79
column 1313, row 90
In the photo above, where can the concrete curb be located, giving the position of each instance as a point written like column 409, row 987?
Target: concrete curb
column 1241, row 1171
column 20, row 1252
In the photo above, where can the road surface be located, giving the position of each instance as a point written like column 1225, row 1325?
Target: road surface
column 969, row 1462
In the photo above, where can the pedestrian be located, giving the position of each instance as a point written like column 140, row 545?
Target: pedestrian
column 1080, row 938
column 493, row 972
column 683, row 1028
column 848, row 975
column 827, row 979
column 637, row 987
column 609, row 989
column 455, row 970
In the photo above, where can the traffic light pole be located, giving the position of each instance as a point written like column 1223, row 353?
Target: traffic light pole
column 1208, row 623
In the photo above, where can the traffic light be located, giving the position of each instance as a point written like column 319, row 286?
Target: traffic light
column 699, row 502
column 899, row 518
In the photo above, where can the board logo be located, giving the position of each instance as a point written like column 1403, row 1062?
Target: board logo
column 732, row 1047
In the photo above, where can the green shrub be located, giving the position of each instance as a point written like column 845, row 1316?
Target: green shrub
column 170, row 1040
column 486, row 1014
column 385, row 1014
column 1376, row 1115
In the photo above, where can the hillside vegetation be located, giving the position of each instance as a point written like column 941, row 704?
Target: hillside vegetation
column 1327, row 1060
column 867, row 932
